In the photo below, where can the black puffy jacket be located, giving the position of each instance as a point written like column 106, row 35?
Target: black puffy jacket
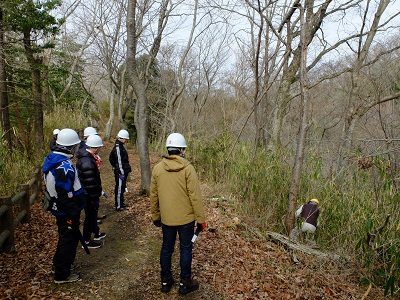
column 89, row 175
column 119, row 159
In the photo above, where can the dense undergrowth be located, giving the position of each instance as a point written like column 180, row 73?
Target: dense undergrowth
column 354, row 207
column 16, row 166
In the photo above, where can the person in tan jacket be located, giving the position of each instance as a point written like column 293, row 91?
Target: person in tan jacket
column 176, row 204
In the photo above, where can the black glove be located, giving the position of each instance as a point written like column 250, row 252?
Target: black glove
column 157, row 223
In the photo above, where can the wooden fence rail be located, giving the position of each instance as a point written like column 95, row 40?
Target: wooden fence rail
column 9, row 218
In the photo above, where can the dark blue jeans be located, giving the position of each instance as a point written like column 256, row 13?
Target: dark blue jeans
column 185, row 233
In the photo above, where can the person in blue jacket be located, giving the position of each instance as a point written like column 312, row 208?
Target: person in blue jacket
column 63, row 185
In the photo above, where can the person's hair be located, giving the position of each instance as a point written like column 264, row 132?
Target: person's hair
column 173, row 151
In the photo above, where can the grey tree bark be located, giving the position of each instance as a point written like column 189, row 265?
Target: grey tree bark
column 301, row 138
column 34, row 64
column 4, row 108
column 359, row 103
column 139, row 79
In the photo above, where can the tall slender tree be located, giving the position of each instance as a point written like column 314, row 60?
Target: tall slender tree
column 4, row 108
column 137, row 26
column 36, row 26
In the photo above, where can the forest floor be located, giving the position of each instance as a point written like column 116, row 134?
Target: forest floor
column 228, row 261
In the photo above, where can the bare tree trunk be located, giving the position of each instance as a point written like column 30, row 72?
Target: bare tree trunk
column 358, row 108
column 34, row 64
column 38, row 109
column 73, row 67
column 256, row 72
column 314, row 20
column 143, row 136
column 298, row 163
column 173, row 104
column 122, row 97
column 4, row 109
column 140, row 90
column 111, row 118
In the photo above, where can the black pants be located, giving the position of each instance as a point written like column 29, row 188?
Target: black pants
column 90, row 224
column 119, row 191
column 66, row 248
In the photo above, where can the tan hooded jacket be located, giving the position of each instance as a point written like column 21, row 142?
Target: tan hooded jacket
column 175, row 196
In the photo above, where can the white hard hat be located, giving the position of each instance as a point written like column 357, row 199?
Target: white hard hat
column 123, row 134
column 176, row 140
column 89, row 131
column 94, row 141
column 67, row 137
column 56, row 131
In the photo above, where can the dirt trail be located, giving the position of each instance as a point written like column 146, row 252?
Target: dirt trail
column 127, row 265
column 228, row 262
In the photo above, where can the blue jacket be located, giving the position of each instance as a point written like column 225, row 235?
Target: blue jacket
column 63, row 184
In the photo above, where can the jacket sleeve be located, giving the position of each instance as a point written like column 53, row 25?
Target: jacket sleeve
column 194, row 194
column 112, row 157
column 154, row 204
column 298, row 212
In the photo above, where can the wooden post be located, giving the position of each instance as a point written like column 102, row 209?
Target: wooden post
column 25, row 204
column 37, row 175
column 39, row 178
column 7, row 225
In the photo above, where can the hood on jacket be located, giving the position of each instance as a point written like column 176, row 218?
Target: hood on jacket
column 53, row 159
column 174, row 163
column 81, row 150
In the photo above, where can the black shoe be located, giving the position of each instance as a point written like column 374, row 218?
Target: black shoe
column 100, row 236
column 93, row 245
column 121, row 208
column 99, row 222
column 188, row 286
column 71, row 278
column 167, row 285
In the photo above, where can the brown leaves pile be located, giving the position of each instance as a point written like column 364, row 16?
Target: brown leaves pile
column 24, row 272
column 229, row 263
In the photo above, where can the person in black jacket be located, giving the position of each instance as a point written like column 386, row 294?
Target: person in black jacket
column 88, row 166
column 63, row 185
column 86, row 133
column 53, row 141
column 119, row 160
